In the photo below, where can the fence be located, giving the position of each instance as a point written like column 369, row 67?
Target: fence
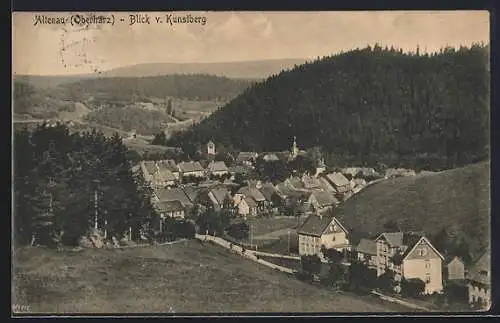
column 248, row 254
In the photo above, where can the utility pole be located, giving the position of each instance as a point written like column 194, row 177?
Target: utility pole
column 251, row 236
column 95, row 208
column 288, row 241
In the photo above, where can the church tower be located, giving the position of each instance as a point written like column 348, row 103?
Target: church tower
column 295, row 149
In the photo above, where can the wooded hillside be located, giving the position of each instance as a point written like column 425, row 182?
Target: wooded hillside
column 364, row 106
column 193, row 87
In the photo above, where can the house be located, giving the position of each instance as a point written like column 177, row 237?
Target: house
column 239, row 169
column 455, row 269
column 149, row 169
column 171, row 166
column 220, row 198
column 366, row 252
column 295, row 183
column 368, row 172
column 270, row 157
column 320, row 201
column 253, row 193
column 172, row 209
column 326, row 186
column 311, row 183
column 350, row 171
column 339, row 181
column 192, row 168
column 272, row 197
column 164, row 178
column 358, row 184
column 171, row 194
column 479, row 281
column 211, row 148
column 247, row 158
column 246, row 206
column 192, row 193
column 321, row 230
column 320, row 167
column 217, row 168
column 291, row 196
column 410, row 255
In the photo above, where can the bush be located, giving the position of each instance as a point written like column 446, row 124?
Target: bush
column 361, row 277
column 386, row 281
column 311, row 265
column 412, row 287
column 184, row 229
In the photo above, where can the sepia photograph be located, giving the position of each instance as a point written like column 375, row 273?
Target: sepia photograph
column 233, row 163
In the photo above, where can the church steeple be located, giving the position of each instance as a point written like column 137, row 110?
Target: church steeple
column 295, row 149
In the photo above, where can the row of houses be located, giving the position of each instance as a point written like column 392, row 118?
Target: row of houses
column 168, row 173
column 307, row 193
column 409, row 255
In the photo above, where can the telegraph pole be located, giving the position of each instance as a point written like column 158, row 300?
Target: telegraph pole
column 251, row 236
column 288, row 241
column 95, row 208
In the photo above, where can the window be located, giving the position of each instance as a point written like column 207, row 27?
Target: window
column 427, row 264
column 422, row 252
column 333, row 238
column 427, row 278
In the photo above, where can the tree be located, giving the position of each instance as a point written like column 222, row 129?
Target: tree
column 311, row 265
column 391, row 226
column 159, row 139
column 169, row 109
column 332, row 255
column 387, row 281
column 184, row 229
column 361, row 277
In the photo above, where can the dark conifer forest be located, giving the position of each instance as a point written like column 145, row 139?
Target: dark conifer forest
column 61, row 179
column 365, row 106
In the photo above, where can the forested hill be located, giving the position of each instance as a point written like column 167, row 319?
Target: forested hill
column 191, row 87
column 366, row 105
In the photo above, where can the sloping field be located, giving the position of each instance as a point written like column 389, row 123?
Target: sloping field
column 457, row 199
column 181, row 278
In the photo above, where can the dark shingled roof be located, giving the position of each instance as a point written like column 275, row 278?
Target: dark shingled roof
column 170, row 206
column 315, row 225
column 481, row 269
column 220, row 194
column 188, row 167
column 367, row 246
column 150, row 166
column 324, row 198
column 174, row 194
column 268, row 190
column 217, row 166
column 246, row 156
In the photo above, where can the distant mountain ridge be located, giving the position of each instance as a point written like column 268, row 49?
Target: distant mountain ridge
column 249, row 70
column 245, row 69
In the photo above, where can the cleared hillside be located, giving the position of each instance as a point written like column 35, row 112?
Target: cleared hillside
column 457, row 200
column 180, row 278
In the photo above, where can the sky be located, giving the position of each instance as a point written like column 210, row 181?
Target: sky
column 55, row 49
